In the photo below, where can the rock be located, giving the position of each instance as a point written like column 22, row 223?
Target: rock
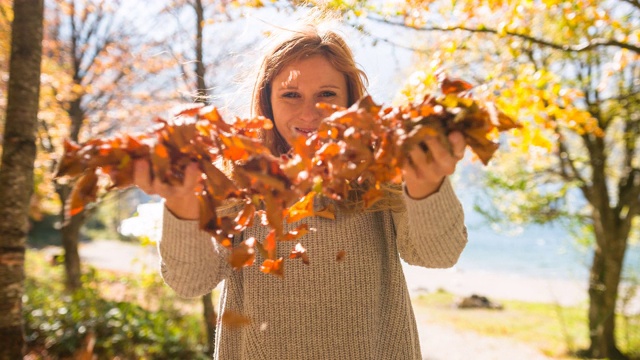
column 478, row 302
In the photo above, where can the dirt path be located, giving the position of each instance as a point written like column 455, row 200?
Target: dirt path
column 441, row 342
column 438, row 341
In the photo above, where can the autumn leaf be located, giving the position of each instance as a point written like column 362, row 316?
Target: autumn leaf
column 274, row 267
column 234, row 319
column 365, row 146
column 299, row 252
column 83, row 193
column 243, row 254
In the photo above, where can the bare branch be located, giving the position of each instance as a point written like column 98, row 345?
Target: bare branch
column 585, row 46
column 634, row 3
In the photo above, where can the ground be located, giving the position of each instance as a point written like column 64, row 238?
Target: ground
column 438, row 341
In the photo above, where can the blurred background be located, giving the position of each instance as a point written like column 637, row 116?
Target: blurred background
column 553, row 261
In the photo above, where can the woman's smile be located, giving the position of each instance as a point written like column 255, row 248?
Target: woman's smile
column 298, row 88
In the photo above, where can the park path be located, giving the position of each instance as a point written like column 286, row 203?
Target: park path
column 438, row 341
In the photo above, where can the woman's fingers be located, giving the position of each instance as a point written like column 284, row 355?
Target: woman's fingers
column 142, row 176
column 458, row 144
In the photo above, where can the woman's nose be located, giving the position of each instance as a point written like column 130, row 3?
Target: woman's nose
column 309, row 112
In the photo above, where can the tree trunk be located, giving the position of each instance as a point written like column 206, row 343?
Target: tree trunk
column 210, row 319
column 605, row 276
column 70, row 233
column 16, row 169
column 209, row 313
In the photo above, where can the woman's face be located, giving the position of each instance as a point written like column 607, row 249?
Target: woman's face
column 296, row 90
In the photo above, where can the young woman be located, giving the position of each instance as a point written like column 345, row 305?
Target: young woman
column 358, row 308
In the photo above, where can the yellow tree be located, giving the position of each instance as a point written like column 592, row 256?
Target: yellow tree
column 570, row 71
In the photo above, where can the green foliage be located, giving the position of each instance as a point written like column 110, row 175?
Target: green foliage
column 57, row 322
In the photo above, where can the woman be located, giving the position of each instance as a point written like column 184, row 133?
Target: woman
column 358, row 308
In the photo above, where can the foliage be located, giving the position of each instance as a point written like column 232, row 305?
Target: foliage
column 58, row 322
column 569, row 72
column 365, row 144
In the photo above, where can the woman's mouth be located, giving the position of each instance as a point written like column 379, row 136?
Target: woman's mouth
column 305, row 131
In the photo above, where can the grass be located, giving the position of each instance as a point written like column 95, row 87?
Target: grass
column 556, row 331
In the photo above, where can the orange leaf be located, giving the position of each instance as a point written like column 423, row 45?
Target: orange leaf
column 274, row 267
column 243, row 254
column 234, row 319
column 83, row 193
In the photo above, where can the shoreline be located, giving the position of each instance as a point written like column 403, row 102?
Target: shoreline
column 501, row 286
column 496, row 285
column 493, row 284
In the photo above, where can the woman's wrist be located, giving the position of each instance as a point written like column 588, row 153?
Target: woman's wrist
column 422, row 189
column 184, row 208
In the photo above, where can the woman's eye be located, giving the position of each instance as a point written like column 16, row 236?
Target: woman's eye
column 327, row 94
column 290, row 95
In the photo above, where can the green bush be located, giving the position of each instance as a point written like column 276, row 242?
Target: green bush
column 56, row 323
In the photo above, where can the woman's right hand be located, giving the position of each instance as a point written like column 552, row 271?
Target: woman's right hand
column 180, row 200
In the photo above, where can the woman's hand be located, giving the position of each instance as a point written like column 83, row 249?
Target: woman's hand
column 428, row 166
column 180, row 200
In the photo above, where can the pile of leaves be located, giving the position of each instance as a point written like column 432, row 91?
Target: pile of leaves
column 363, row 144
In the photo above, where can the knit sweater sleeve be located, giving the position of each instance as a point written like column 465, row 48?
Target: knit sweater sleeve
column 431, row 233
column 191, row 261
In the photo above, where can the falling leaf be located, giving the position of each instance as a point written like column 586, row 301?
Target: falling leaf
column 299, row 252
column 243, row 254
column 234, row 319
column 274, row 267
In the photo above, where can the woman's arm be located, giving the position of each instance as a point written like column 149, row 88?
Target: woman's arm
column 192, row 262
column 431, row 233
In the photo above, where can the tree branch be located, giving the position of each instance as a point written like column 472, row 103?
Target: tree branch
column 634, row 3
column 585, row 46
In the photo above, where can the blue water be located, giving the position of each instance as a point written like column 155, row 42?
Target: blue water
column 535, row 251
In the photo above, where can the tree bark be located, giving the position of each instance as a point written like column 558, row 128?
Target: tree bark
column 605, row 276
column 16, row 169
column 70, row 234
column 210, row 319
column 209, row 312
column 70, row 231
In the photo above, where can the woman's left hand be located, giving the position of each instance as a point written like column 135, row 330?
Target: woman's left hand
column 428, row 166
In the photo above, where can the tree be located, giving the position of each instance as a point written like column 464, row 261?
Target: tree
column 199, row 79
column 94, row 84
column 16, row 169
column 569, row 71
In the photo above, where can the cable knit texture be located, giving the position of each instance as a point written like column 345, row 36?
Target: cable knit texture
column 357, row 308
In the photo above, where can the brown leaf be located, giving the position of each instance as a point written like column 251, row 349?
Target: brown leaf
column 234, row 319
column 243, row 254
column 83, row 193
column 299, row 252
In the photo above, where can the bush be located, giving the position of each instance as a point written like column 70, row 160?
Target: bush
column 56, row 324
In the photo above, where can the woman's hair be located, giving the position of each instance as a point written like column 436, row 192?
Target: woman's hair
column 305, row 41
column 293, row 45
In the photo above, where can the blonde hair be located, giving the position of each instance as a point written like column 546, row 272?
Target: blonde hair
column 306, row 40
column 295, row 44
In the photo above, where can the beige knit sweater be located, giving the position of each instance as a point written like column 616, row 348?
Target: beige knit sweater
column 358, row 308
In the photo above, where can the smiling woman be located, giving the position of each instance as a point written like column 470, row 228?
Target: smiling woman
column 350, row 301
column 297, row 89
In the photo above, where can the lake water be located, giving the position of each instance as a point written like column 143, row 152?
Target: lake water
column 536, row 251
